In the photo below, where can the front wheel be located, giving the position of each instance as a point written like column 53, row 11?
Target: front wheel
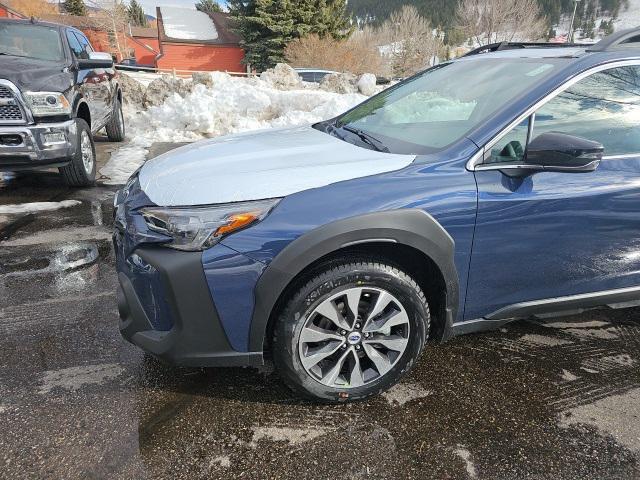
column 351, row 332
column 81, row 171
column 115, row 127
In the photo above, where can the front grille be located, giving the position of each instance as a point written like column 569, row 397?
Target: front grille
column 9, row 113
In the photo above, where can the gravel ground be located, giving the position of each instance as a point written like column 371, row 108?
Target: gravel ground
column 559, row 400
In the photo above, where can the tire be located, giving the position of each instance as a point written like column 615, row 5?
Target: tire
column 371, row 282
column 81, row 171
column 115, row 126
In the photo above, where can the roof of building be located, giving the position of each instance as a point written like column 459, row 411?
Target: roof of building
column 187, row 25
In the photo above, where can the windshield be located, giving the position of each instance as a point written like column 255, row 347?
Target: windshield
column 32, row 41
column 440, row 106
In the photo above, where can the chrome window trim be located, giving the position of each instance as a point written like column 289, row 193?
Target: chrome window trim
column 26, row 112
column 473, row 163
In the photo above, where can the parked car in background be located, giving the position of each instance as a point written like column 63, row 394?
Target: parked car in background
column 131, row 64
column 55, row 93
column 498, row 186
column 313, row 75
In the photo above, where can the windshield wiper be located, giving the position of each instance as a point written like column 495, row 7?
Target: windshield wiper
column 367, row 138
column 13, row 55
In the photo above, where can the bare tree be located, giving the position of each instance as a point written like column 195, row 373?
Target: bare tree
column 113, row 18
column 409, row 41
column 356, row 54
column 492, row 21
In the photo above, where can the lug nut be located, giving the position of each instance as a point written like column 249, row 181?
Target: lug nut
column 357, row 347
column 367, row 335
column 343, row 332
column 357, row 325
column 344, row 345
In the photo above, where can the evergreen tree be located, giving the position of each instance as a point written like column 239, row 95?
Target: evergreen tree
column 136, row 14
column 75, row 7
column 267, row 26
column 208, row 6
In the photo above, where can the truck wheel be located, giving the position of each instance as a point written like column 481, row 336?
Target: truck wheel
column 350, row 332
column 115, row 127
column 81, row 172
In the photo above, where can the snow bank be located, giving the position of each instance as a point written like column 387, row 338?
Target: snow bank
column 229, row 105
column 23, row 208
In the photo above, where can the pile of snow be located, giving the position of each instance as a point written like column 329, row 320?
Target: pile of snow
column 283, row 77
column 223, row 105
column 23, row 208
column 187, row 24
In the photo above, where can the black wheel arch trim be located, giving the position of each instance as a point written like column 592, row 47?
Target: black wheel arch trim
column 410, row 227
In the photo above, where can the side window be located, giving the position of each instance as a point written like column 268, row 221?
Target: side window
column 511, row 147
column 84, row 42
column 604, row 107
column 76, row 47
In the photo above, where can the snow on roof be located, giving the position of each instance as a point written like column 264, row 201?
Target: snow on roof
column 187, row 24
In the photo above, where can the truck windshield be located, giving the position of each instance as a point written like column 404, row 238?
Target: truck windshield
column 440, row 106
column 31, row 41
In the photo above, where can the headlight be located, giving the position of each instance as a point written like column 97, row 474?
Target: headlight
column 47, row 103
column 198, row 228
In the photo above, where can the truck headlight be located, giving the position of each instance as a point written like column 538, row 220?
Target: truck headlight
column 47, row 103
column 198, row 228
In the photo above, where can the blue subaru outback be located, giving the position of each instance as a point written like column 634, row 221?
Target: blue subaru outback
column 499, row 186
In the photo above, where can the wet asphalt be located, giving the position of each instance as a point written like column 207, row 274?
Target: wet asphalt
column 559, row 400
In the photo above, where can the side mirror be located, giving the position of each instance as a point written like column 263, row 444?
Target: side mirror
column 96, row 60
column 559, row 152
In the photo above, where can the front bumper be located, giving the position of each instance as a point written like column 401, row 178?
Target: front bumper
column 26, row 146
column 166, row 309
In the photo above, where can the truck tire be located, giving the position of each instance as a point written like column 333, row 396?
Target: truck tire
column 351, row 331
column 81, row 171
column 115, row 127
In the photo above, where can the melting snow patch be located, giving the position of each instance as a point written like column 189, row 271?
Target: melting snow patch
column 594, row 333
column 591, row 324
column 74, row 378
column 568, row 376
column 222, row 460
column 405, row 392
column 618, row 416
column 293, row 436
column 124, row 162
column 543, row 340
column 23, row 208
column 465, row 455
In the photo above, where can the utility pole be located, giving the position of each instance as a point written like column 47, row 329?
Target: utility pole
column 573, row 17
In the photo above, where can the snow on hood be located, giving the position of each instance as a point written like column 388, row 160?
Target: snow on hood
column 253, row 166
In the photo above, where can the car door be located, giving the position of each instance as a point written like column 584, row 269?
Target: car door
column 558, row 234
column 94, row 83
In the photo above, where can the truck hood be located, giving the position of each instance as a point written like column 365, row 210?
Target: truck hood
column 29, row 74
column 258, row 165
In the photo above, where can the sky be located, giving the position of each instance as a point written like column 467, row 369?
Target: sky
column 150, row 5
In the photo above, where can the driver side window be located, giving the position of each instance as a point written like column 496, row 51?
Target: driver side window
column 510, row 148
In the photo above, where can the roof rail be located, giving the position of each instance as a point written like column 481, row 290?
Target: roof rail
column 631, row 35
column 495, row 47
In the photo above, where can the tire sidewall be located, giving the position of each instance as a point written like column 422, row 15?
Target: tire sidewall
column 333, row 282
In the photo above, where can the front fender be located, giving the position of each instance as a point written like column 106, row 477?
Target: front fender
column 411, row 227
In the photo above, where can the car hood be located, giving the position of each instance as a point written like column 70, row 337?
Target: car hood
column 257, row 165
column 29, row 74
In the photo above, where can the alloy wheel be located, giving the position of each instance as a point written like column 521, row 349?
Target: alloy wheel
column 354, row 337
column 86, row 151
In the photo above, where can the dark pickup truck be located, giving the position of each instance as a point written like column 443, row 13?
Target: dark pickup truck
column 55, row 93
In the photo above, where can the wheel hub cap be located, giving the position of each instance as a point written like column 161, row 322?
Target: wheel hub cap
column 86, row 151
column 354, row 337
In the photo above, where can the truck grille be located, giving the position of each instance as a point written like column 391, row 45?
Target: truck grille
column 9, row 113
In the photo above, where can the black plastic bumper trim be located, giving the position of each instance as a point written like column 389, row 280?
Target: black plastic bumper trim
column 197, row 338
